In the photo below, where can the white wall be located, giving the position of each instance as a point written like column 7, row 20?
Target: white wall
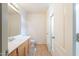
column 37, row 23
column 4, row 28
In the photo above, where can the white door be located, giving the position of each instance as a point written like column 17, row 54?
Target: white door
column 52, row 34
column 63, row 15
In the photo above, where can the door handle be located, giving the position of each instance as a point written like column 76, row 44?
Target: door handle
column 53, row 37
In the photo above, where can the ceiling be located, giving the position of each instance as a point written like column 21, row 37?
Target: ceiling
column 34, row 7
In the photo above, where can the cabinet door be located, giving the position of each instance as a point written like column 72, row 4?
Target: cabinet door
column 26, row 48
column 21, row 51
column 63, row 15
column 13, row 53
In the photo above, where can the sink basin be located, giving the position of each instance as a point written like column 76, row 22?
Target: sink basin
column 11, row 39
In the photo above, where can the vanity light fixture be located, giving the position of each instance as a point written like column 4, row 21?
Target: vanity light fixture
column 14, row 7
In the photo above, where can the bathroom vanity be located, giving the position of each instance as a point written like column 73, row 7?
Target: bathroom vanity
column 19, row 46
column 18, row 40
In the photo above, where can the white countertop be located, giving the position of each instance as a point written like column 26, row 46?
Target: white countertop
column 12, row 45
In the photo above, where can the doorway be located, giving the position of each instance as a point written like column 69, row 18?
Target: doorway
column 77, row 28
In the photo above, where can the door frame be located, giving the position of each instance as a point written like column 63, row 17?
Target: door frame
column 74, row 29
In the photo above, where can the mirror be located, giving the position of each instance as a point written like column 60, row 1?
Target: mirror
column 13, row 22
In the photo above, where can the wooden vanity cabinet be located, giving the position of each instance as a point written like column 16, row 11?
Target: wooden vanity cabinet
column 22, row 50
